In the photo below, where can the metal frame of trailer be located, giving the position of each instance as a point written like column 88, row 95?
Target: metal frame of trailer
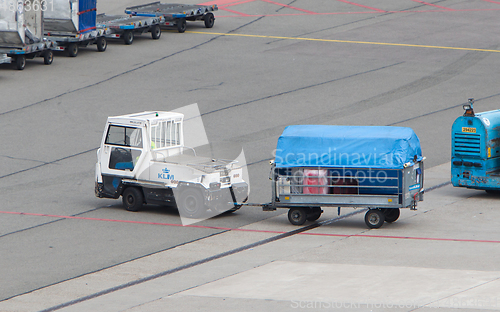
column 402, row 188
column 4, row 59
column 18, row 55
column 71, row 41
column 126, row 27
column 176, row 15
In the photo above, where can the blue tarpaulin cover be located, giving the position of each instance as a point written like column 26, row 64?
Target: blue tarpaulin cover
column 377, row 147
column 88, row 15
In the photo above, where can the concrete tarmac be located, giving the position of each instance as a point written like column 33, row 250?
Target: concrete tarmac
column 420, row 262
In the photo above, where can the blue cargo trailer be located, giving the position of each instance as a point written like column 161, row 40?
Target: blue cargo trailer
column 315, row 166
column 475, row 149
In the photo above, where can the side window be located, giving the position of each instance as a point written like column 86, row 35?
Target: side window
column 127, row 143
column 123, row 158
column 124, row 136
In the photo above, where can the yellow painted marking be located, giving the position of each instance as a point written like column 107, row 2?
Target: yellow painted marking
column 489, row 152
column 347, row 41
column 390, row 200
column 287, row 198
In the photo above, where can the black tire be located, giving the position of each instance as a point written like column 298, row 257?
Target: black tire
column 48, row 57
column 191, row 203
column 391, row 214
column 374, row 218
column 128, row 37
column 73, row 50
column 181, row 25
column 132, row 199
column 209, row 20
column 297, row 215
column 314, row 213
column 493, row 192
column 155, row 32
column 20, row 62
column 102, row 44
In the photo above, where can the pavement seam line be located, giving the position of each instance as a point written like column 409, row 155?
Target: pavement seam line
column 199, row 262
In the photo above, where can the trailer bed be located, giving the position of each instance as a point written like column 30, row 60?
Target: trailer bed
column 18, row 55
column 125, row 26
column 71, row 41
column 176, row 14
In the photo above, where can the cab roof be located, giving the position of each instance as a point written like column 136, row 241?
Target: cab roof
column 144, row 117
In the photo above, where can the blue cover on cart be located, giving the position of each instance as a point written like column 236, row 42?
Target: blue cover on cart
column 88, row 14
column 381, row 147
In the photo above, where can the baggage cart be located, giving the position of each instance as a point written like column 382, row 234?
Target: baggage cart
column 176, row 15
column 317, row 166
column 126, row 27
column 21, row 32
column 72, row 24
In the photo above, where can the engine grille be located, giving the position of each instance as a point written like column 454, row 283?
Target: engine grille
column 467, row 144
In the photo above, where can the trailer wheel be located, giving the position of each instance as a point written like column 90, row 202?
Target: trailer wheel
column 155, row 31
column 374, row 218
column 128, row 37
column 297, row 215
column 191, row 204
column 48, row 57
column 132, row 199
column 391, row 214
column 20, row 62
column 73, row 50
column 102, row 44
column 181, row 25
column 209, row 20
column 314, row 213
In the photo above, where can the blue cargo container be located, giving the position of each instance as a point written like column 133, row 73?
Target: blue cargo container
column 315, row 166
column 475, row 149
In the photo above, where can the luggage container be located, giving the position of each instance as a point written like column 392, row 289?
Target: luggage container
column 475, row 150
column 126, row 27
column 316, row 166
column 72, row 24
column 21, row 32
column 176, row 15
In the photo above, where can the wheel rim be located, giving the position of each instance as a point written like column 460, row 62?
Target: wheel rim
column 374, row 218
column 296, row 215
column 130, row 200
column 191, row 204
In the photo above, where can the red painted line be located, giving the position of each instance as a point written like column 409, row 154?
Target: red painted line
column 434, row 5
column 492, row 1
column 251, row 230
column 218, row 2
column 235, row 3
column 363, row 6
column 289, row 6
column 235, row 12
